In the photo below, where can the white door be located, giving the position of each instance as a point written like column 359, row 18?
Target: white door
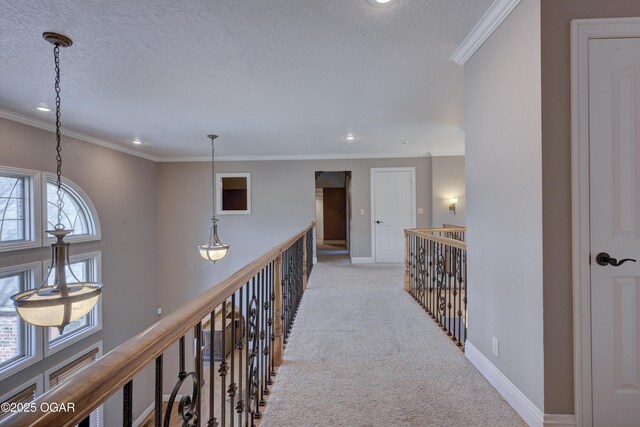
column 393, row 204
column 614, row 151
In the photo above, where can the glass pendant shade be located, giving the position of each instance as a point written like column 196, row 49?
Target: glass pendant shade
column 214, row 250
column 61, row 303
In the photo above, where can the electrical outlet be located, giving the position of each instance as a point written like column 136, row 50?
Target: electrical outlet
column 420, row 211
column 159, row 311
column 361, row 211
column 496, row 347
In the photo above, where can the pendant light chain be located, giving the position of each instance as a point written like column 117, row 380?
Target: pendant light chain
column 213, row 179
column 60, row 203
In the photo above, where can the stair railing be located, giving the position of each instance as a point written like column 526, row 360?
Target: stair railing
column 436, row 276
column 239, row 327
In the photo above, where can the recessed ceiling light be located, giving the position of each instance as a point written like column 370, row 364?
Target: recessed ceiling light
column 383, row 1
column 405, row 142
column 350, row 138
column 137, row 141
column 43, row 108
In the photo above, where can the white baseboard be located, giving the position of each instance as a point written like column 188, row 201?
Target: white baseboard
column 529, row 412
column 151, row 407
column 362, row 260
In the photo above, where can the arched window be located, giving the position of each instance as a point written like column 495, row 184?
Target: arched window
column 78, row 212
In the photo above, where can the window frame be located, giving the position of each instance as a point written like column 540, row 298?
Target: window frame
column 95, row 315
column 38, row 381
column 46, row 375
column 219, row 177
column 32, row 209
column 33, row 340
column 85, row 203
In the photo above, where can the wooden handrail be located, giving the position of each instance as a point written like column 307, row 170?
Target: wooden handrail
column 94, row 384
column 425, row 233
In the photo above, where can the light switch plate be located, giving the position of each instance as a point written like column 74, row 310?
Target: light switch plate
column 496, row 347
column 420, row 211
column 361, row 211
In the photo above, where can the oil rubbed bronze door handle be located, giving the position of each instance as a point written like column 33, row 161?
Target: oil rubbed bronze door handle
column 378, row 222
column 603, row 258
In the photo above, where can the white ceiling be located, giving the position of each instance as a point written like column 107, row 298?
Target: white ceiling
column 281, row 78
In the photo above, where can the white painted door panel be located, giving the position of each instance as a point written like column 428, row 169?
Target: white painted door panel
column 393, row 212
column 614, row 141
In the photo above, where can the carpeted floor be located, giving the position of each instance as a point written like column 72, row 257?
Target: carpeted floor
column 363, row 353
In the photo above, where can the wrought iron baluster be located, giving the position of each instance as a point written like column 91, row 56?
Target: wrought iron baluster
column 187, row 407
column 255, row 352
column 239, row 347
column 434, row 279
column 448, row 293
column 213, row 422
column 264, row 349
column 127, row 405
column 157, row 413
column 272, row 332
column 224, row 368
column 232, row 385
column 247, row 365
column 197, row 332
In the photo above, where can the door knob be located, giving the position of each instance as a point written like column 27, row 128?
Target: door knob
column 378, row 222
column 603, row 258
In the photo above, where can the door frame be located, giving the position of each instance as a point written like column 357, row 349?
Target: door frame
column 583, row 30
column 373, row 204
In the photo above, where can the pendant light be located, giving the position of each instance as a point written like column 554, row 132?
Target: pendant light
column 214, row 250
column 61, row 303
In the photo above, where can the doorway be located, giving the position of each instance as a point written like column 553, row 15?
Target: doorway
column 333, row 215
column 606, row 225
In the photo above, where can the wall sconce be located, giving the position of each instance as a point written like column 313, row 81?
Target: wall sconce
column 453, row 202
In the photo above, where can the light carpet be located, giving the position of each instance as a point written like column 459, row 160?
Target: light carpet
column 363, row 353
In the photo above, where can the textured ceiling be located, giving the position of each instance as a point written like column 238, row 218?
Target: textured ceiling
column 271, row 77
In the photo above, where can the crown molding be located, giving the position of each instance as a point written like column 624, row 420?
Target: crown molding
column 491, row 20
column 29, row 121
column 306, row 157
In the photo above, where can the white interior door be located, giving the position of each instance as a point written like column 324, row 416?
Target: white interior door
column 614, row 152
column 393, row 210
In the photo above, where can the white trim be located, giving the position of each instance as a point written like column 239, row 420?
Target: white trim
column 512, row 394
column 79, row 354
column 34, row 334
column 582, row 30
column 35, row 380
column 85, row 202
column 315, row 260
column 219, row 177
column 95, row 315
column 144, row 414
column 373, row 205
column 490, row 21
column 34, row 212
column 151, row 407
column 178, row 159
column 362, row 260
column 29, row 121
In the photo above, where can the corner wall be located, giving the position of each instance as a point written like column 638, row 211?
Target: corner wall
column 123, row 190
column 504, row 199
column 448, row 180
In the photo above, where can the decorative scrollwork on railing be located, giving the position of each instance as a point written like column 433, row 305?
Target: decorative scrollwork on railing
column 187, row 404
column 436, row 277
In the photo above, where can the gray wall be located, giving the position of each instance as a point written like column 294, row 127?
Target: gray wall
column 448, row 180
column 504, row 199
column 123, row 189
column 556, row 184
column 283, row 202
